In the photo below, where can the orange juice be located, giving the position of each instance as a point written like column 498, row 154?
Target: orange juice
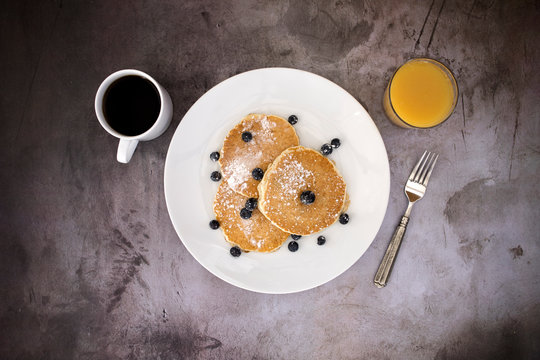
column 421, row 94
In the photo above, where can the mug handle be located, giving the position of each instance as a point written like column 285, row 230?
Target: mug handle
column 126, row 148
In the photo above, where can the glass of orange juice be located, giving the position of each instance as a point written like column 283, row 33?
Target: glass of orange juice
column 422, row 93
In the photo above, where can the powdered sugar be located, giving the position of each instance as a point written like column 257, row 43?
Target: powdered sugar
column 270, row 136
column 293, row 175
column 238, row 173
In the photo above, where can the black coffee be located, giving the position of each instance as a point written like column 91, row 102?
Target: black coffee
column 131, row 105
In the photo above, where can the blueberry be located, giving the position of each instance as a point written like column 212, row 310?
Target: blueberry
column 257, row 173
column 235, row 251
column 326, row 149
column 293, row 246
column 335, row 143
column 214, row 224
column 293, row 119
column 344, row 218
column 307, row 197
column 215, row 176
column 296, row 237
column 246, row 136
column 251, row 204
column 321, row 240
column 214, row 156
column 245, row 214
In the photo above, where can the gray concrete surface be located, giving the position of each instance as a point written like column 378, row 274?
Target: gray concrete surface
column 91, row 267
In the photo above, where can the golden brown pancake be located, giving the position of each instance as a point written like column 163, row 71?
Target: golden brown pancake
column 271, row 135
column 296, row 170
column 254, row 234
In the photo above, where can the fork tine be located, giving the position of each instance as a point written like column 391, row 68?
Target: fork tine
column 430, row 170
column 413, row 172
column 419, row 172
column 425, row 168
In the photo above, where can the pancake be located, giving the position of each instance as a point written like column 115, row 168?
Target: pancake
column 296, row 170
column 254, row 234
column 270, row 136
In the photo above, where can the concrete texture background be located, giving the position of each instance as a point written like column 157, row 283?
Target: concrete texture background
column 91, row 267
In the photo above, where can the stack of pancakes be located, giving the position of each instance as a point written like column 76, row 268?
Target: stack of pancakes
column 289, row 170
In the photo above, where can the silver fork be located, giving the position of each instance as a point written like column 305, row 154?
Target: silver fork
column 415, row 188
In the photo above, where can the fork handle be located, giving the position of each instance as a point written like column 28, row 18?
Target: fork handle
column 383, row 273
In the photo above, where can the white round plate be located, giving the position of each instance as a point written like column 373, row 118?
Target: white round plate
column 325, row 111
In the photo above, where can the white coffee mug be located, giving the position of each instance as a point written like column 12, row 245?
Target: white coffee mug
column 128, row 144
